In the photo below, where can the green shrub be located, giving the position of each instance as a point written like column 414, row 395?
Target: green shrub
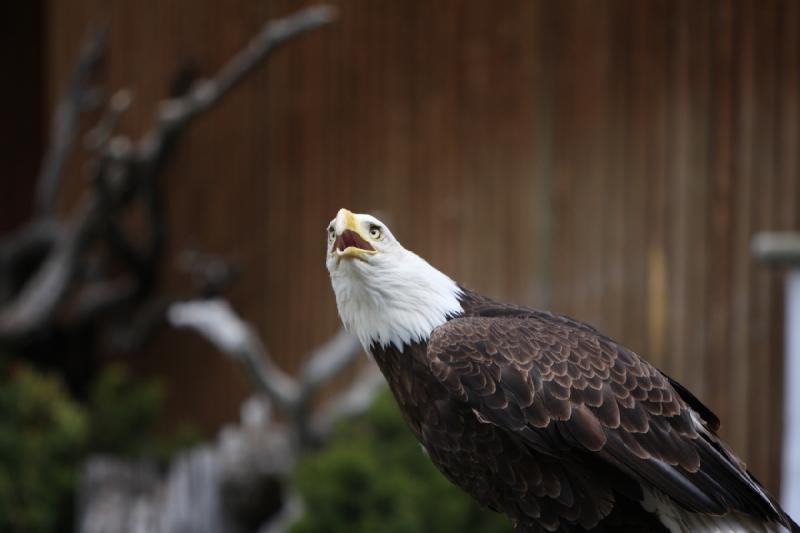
column 42, row 436
column 45, row 434
column 373, row 476
column 123, row 412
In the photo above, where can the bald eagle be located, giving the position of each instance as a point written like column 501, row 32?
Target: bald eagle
column 535, row 414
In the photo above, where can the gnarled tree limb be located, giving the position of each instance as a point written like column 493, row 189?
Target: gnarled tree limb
column 219, row 323
column 328, row 360
column 65, row 122
column 124, row 169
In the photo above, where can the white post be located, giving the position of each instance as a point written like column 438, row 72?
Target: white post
column 783, row 248
column 790, row 484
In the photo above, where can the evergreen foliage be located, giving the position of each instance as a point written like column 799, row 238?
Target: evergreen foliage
column 374, row 476
column 123, row 412
column 45, row 434
column 42, row 436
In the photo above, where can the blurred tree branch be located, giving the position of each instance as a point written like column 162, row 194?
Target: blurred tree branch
column 220, row 325
column 122, row 171
column 65, row 121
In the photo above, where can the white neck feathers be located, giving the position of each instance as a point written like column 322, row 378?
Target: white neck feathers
column 394, row 301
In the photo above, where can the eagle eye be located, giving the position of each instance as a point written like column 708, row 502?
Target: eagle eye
column 331, row 232
column 375, row 231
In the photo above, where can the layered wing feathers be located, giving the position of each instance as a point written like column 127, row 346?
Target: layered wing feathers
column 562, row 387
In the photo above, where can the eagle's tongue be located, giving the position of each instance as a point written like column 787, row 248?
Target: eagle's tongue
column 351, row 238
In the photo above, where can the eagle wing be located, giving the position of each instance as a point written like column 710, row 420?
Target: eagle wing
column 567, row 391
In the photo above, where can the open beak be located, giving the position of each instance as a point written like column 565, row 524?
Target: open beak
column 349, row 242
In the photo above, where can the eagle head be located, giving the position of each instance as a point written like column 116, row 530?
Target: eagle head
column 385, row 294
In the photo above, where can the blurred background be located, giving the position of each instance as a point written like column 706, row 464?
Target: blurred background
column 607, row 160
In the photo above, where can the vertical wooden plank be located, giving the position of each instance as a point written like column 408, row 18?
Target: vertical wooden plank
column 720, row 215
column 656, row 294
column 679, row 177
column 788, row 209
column 24, row 120
column 561, row 189
column 773, row 381
column 742, row 227
column 760, row 343
column 571, row 139
column 543, row 167
column 532, row 239
column 583, row 81
column 438, row 115
column 636, row 186
column 700, row 60
column 789, row 116
column 618, row 166
column 472, row 127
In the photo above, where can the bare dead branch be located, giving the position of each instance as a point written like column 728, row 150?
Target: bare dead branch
column 217, row 322
column 210, row 274
column 40, row 296
column 260, row 363
column 124, row 169
column 274, row 33
column 99, row 135
column 220, row 325
column 131, row 333
column 22, row 251
column 175, row 112
column 328, row 360
column 65, row 122
column 34, row 237
column 353, row 401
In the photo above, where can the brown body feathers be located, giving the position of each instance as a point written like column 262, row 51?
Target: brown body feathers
column 547, row 420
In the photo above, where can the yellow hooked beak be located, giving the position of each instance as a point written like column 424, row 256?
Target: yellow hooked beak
column 350, row 242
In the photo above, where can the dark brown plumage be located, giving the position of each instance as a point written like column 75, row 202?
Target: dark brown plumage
column 549, row 421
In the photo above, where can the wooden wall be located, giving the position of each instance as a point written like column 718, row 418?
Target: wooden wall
column 609, row 160
column 21, row 116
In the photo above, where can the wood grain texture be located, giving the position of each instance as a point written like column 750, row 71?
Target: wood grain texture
column 22, row 114
column 607, row 160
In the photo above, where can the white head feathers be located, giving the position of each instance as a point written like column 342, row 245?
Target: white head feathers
column 386, row 295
